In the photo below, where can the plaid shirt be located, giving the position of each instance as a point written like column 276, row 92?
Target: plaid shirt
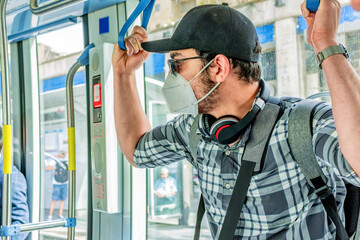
column 280, row 204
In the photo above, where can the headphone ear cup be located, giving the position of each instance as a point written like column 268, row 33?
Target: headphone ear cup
column 220, row 124
column 205, row 123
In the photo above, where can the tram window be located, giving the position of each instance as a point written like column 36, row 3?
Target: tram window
column 57, row 52
column 268, row 67
column 311, row 66
column 173, row 191
column 352, row 41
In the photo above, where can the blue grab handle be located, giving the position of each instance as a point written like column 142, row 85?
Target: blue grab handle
column 145, row 6
column 312, row 5
column 84, row 57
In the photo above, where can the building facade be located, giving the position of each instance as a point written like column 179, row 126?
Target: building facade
column 288, row 62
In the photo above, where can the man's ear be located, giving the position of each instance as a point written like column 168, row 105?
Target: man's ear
column 220, row 68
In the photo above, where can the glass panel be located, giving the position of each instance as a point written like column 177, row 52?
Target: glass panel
column 57, row 52
column 352, row 42
column 173, row 191
column 288, row 66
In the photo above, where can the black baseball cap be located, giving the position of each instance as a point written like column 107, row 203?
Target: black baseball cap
column 214, row 28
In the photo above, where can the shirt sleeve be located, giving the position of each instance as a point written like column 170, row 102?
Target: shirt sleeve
column 326, row 144
column 165, row 144
column 20, row 209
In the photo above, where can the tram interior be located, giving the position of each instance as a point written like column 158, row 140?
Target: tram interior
column 42, row 49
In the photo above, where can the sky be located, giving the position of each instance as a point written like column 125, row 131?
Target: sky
column 66, row 40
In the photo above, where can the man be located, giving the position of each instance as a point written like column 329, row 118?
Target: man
column 60, row 183
column 165, row 187
column 20, row 209
column 215, row 71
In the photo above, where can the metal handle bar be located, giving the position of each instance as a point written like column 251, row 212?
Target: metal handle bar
column 83, row 60
column 319, row 95
column 7, row 151
column 312, row 5
column 8, row 231
column 49, row 6
column 145, row 7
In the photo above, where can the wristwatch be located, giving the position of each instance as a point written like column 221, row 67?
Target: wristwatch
column 327, row 52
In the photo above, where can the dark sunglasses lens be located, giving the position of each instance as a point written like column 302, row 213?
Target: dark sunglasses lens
column 172, row 68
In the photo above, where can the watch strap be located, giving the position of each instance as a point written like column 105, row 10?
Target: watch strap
column 327, row 52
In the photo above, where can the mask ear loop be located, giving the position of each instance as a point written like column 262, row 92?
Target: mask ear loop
column 206, row 95
column 206, row 66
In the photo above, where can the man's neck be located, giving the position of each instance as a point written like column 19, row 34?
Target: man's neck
column 237, row 99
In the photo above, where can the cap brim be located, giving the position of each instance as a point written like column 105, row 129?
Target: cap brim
column 161, row 46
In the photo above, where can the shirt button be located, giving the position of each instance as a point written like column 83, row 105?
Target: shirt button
column 227, row 185
column 227, row 152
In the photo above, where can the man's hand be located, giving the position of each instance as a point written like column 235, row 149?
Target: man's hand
column 130, row 120
column 322, row 26
column 126, row 62
column 355, row 4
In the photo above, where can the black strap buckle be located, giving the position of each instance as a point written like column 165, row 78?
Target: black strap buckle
column 323, row 192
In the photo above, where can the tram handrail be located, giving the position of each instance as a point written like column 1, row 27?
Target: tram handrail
column 8, row 231
column 42, row 225
column 49, row 6
column 81, row 61
column 7, row 152
column 319, row 95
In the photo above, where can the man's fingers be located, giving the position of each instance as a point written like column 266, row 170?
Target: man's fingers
column 304, row 10
column 141, row 31
column 355, row 4
column 309, row 17
column 129, row 48
column 134, row 41
column 133, row 44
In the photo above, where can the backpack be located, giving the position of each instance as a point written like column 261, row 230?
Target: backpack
column 300, row 135
column 61, row 172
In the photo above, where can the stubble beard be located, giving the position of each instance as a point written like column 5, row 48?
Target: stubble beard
column 209, row 103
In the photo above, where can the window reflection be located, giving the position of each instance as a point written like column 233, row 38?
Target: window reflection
column 56, row 54
column 173, row 191
column 353, row 45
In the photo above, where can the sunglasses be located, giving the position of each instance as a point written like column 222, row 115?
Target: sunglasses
column 174, row 64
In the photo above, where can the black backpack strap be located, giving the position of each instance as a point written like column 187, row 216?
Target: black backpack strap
column 300, row 140
column 194, row 139
column 352, row 211
column 254, row 153
column 237, row 200
column 199, row 217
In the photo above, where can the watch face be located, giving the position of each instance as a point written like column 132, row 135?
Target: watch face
column 346, row 53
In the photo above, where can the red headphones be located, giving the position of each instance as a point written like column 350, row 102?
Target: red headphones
column 228, row 129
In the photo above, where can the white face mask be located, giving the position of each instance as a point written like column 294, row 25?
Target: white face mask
column 179, row 95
